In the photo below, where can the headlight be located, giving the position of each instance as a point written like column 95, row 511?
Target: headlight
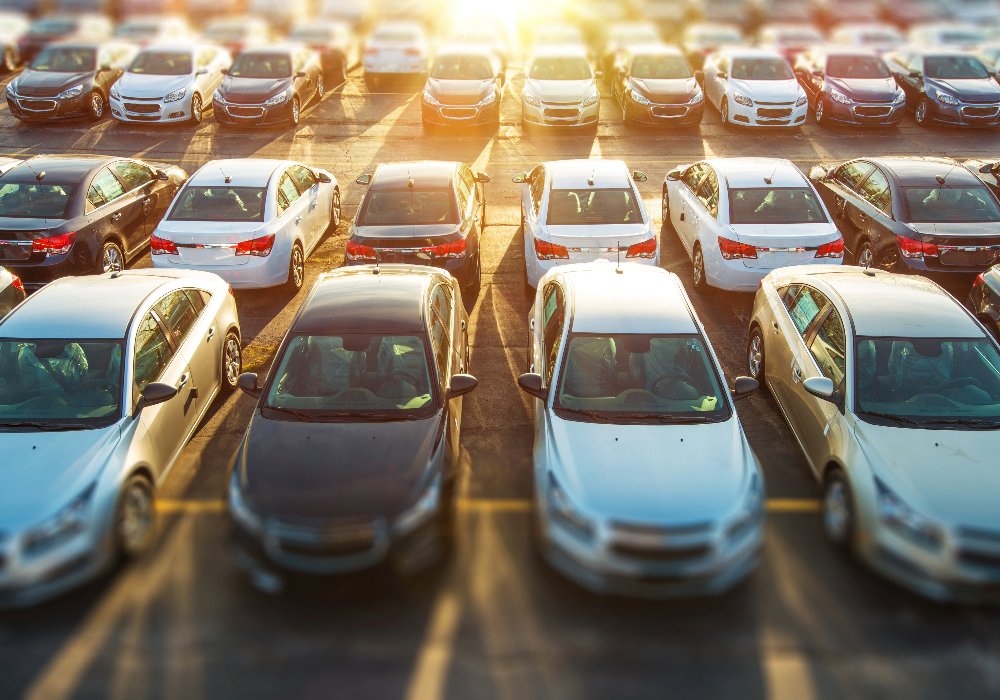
column 488, row 100
column 531, row 100
column 802, row 100
column 838, row 96
column 114, row 92
column 74, row 91
column 637, row 98
column 175, row 95
column 10, row 89
column 217, row 95
column 62, row 526
column 751, row 510
column 698, row 98
column 742, row 100
column 905, row 521
column 420, row 512
column 276, row 100
column 946, row 98
column 240, row 510
column 561, row 510
column 591, row 100
column 429, row 99
column 900, row 98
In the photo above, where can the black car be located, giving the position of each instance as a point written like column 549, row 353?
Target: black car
column 655, row 85
column 80, row 215
column 68, row 81
column 429, row 213
column 464, row 88
column 911, row 214
column 850, row 86
column 351, row 454
column 984, row 300
column 906, row 13
column 945, row 86
column 269, row 86
column 49, row 30
column 339, row 48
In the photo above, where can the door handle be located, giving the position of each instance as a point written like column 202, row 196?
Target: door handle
column 298, row 218
column 774, row 325
column 796, row 372
column 145, row 201
column 682, row 216
column 116, row 216
column 184, row 380
column 211, row 333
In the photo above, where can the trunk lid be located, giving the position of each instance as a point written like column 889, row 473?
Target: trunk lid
column 784, row 244
column 213, row 246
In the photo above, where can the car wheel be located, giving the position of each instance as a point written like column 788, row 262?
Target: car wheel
column 482, row 218
column 9, row 61
column 755, row 355
column 320, row 88
column 724, row 112
column 698, row 273
column 95, row 108
column 837, row 510
column 296, row 269
column 665, row 209
column 197, row 111
column 865, row 256
column 819, row 109
column 295, row 111
column 920, row 114
column 135, row 517
column 111, row 258
column 232, row 361
column 335, row 208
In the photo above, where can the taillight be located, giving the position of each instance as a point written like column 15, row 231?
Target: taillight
column 833, row 249
column 363, row 253
column 371, row 51
column 411, row 52
column 260, row 247
column 646, row 249
column 550, row 251
column 448, row 251
column 15, row 282
column 732, row 250
column 912, row 248
column 54, row 245
column 229, row 287
column 975, row 283
column 161, row 246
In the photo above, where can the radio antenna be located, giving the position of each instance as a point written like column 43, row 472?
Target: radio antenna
column 377, row 262
column 618, row 265
column 767, row 180
column 228, row 178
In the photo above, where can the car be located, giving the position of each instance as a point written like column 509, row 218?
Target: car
column 464, row 88
column 907, row 13
column 336, row 43
column 169, row 83
column 395, row 50
column 754, row 87
column 984, row 300
column 655, row 85
column 13, row 26
column 850, row 85
column 68, row 81
column 790, row 40
column 740, row 218
column 670, row 15
column 252, row 221
column 153, row 29
column 80, row 215
column 428, row 213
column 579, row 211
column 840, row 13
column 491, row 35
column 269, row 86
column 892, row 390
column 927, row 216
column 237, row 34
column 560, row 89
column 963, row 37
column 701, row 39
column 988, row 172
column 352, row 453
column 58, row 28
column 622, row 36
column 989, row 54
column 875, row 36
column 108, row 377
column 11, row 291
column 556, row 35
column 975, row 12
column 947, row 87
column 628, row 395
column 788, row 11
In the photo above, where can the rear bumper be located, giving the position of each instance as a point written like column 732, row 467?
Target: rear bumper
column 257, row 273
column 735, row 276
column 535, row 269
column 463, row 270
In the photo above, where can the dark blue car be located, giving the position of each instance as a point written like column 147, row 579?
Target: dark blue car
column 948, row 87
column 850, row 86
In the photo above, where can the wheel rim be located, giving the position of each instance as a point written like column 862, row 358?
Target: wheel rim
column 97, row 105
column 336, row 209
column 112, row 261
column 234, row 360
column 295, row 111
column 836, row 514
column 319, row 87
column 921, row 113
column 665, row 210
column 136, row 518
column 756, row 356
column 196, row 108
column 297, row 271
column 725, row 112
column 819, row 109
column 865, row 256
column 697, row 267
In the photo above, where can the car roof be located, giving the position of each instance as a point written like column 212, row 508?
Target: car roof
column 743, row 52
column 426, row 174
column 846, row 50
column 244, row 172
column 917, row 170
column 355, row 300
column 642, row 299
column 57, row 169
column 750, row 172
column 571, row 174
column 560, row 50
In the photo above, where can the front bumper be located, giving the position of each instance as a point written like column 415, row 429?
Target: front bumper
column 460, row 115
column 875, row 114
column 128, row 110
column 777, row 115
column 965, row 114
column 27, row 581
column 47, row 108
column 251, row 114
column 553, row 114
column 660, row 114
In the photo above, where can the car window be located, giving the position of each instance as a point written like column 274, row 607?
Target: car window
column 805, row 307
column 708, row 193
column 692, row 176
column 104, row 58
column 850, row 174
column 152, row 353
column 204, row 58
column 553, row 317
column 945, row 204
column 178, row 313
column 876, row 190
column 199, row 298
column 133, row 174
column 106, row 186
column 299, row 61
column 287, row 194
column 24, row 201
column 537, row 187
column 303, row 177
column 828, row 347
column 464, row 193
column 440, row 317
column 915, row 63
column 593, row 206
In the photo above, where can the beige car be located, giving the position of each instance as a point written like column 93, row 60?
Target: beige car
column 892, row 389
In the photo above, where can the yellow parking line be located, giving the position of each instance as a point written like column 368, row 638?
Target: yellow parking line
column 792, row 505
column 168, row 506
column 494, row 505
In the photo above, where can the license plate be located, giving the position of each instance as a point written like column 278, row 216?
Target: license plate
column 391, row 69
column 967, row 258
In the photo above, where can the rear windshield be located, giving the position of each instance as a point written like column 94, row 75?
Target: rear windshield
column 944, row 204
column 225, row 32
column 262, row 65
column 462, row 68
column 590, row 207
column 137, row 30
column 65, row 60
column 396, row 36
column 48, row 27
column 954, row 68
column 775, row 206
column 856, row 67
column 162, row 63
column 409, row 207
column 554, row 68
column 21, row 201
column 761, row 69
column 219, row 204
column 660, row 68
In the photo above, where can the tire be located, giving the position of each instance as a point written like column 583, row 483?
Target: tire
column 111, row 258
column 335, row 210
column 482, row 219
column 921, row 113
column 232, row 361
column 295, row 111
column 197, row 109
column 820, row 101
column 755, row 355
column 95, row 106
column 135, row 517
column 724, row 111
column 320, row 88
column 698, row 271
column 9, row 61
column 837, row 510
column 865, row 257
column 665, row 209
column 296, row 269
column 477, row 281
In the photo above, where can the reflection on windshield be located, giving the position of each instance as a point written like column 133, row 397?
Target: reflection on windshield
column 257, row 65
column 560, row 69
column 220, row 204
column 162, row 63
column 404, row 207
column 856, row 67
column 954, row 68
column 22, row 201
column 462, row 68
column 65, row 60
column 944, row 204
column 660, row 68
column 775, row 206
column 589, row 206
column 761, row 69
column 53, row 382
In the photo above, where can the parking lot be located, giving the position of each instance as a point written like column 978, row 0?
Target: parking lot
column 492, row 620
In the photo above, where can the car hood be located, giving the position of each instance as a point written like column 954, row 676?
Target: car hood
column 42, row 472
column 666, row 91
column 253, row 90
column 39, row 83
column 977, row 90
column 139, row 85
column 418, row 231
column 768, row 90
column 948, row 475
column 958, row 229
column 864, row 88
column 459, row 92
column 568, row 91
column 647, row 473
column 333, row 470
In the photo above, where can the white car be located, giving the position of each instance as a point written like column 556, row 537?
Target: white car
column 169, row 83
column 755, row 87
column 576, row 211
column 396, row 49
column 740, row 218
column 892, row 389
column 148, row 29
column 560, row 89
column 948, row 34
column 251, row 221
column 644, row 481
column 880, row 37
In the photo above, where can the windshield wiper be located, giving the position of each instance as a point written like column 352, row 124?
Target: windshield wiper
column 304, row 417
column 665, row 417
column 980, row 424
column 373, row 417
column 45, row 426
column 590, row 414
column 899, row 419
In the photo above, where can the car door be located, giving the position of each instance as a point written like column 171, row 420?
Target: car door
column 705, row 220
column 120, row 211
column 291, row 207
column 683, row 215
column 874, row 219
column 551, row 331
column 196, row 338
column 784, row 340
column 140, row 182
column 840, row 195
column 316, row 215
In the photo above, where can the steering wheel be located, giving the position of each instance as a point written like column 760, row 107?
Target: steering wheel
column 394, row 373
column 672, row 377
column 960, row 381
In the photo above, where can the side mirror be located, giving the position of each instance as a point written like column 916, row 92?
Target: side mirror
column 520, row 177
column 988, row 167
column 154, row 394
column 461, row 384
column 743, row 387
column 162, row 175
column 532, row 384
column 364, row 179
column 822, row 388
column 248, row 383
column 722, row 75
column 201, row 71
column 323, row 177
column 916, row 74
column 818, row 72
column 674, row 175
column 482, row 177
column 300, row 74
column 699, row 75
column 638, row 176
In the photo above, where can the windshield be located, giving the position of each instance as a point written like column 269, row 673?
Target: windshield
column 761, row 69
column 310, row 35
column 162, row 63
column 60, row 383
column 65, row 60
column 404, row 207
column 554, row 68
column 660, row 68
column 219, row 204
column 640, row 377
column 954, row 68
column 332, row 376
column 962, row 37
column 459, row 67
column 944, row 204
column 261, row 65
column 396, row 37
column 765, row 205
column 590, row 206
column 856, row 67
column 49, row 27
column 24, row 201
column 924, row 380
column 137, row 30
column 226, row 32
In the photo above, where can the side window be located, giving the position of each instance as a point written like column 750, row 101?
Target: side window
column 178, row 314
column 708, row 193
column 107, row 186
column 829, row 347
column 805, row 307
column 537, row 187
column 787, row 294
column 440, row 316
column 104, row 57
column 915, row 63
column 287, row 194
column 466, row 186
column 199, row 298
column 692, row 176
column 94, row 199
column 303, row 177
column 132, row 174
column 553, row 317
column 723, row 64
column 850, row 174
column 152, row 353
column 463, row 196
column 876, row 190
column 204, row 58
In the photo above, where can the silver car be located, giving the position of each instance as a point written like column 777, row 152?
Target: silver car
column 102, row 381
column 892, row 389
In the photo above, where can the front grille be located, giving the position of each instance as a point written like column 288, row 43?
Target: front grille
column 660, row 553
column 561, row 112
column 669, row 111
column 872, row 111
column 641, row 530
column 772, row 104
column 974, row 533
column 971, row 556
column 245, row 111
column 980, row 111
column 144, row 117
column 326, row 551
column 143, row 109
column 37, row 105
column 774, row 113
column 459, row 112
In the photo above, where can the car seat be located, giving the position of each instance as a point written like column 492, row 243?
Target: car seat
column 590, row 368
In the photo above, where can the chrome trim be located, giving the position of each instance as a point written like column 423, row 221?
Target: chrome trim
column 18, row 243
column 29, row 109
column 242, row 116
column 207, row 246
